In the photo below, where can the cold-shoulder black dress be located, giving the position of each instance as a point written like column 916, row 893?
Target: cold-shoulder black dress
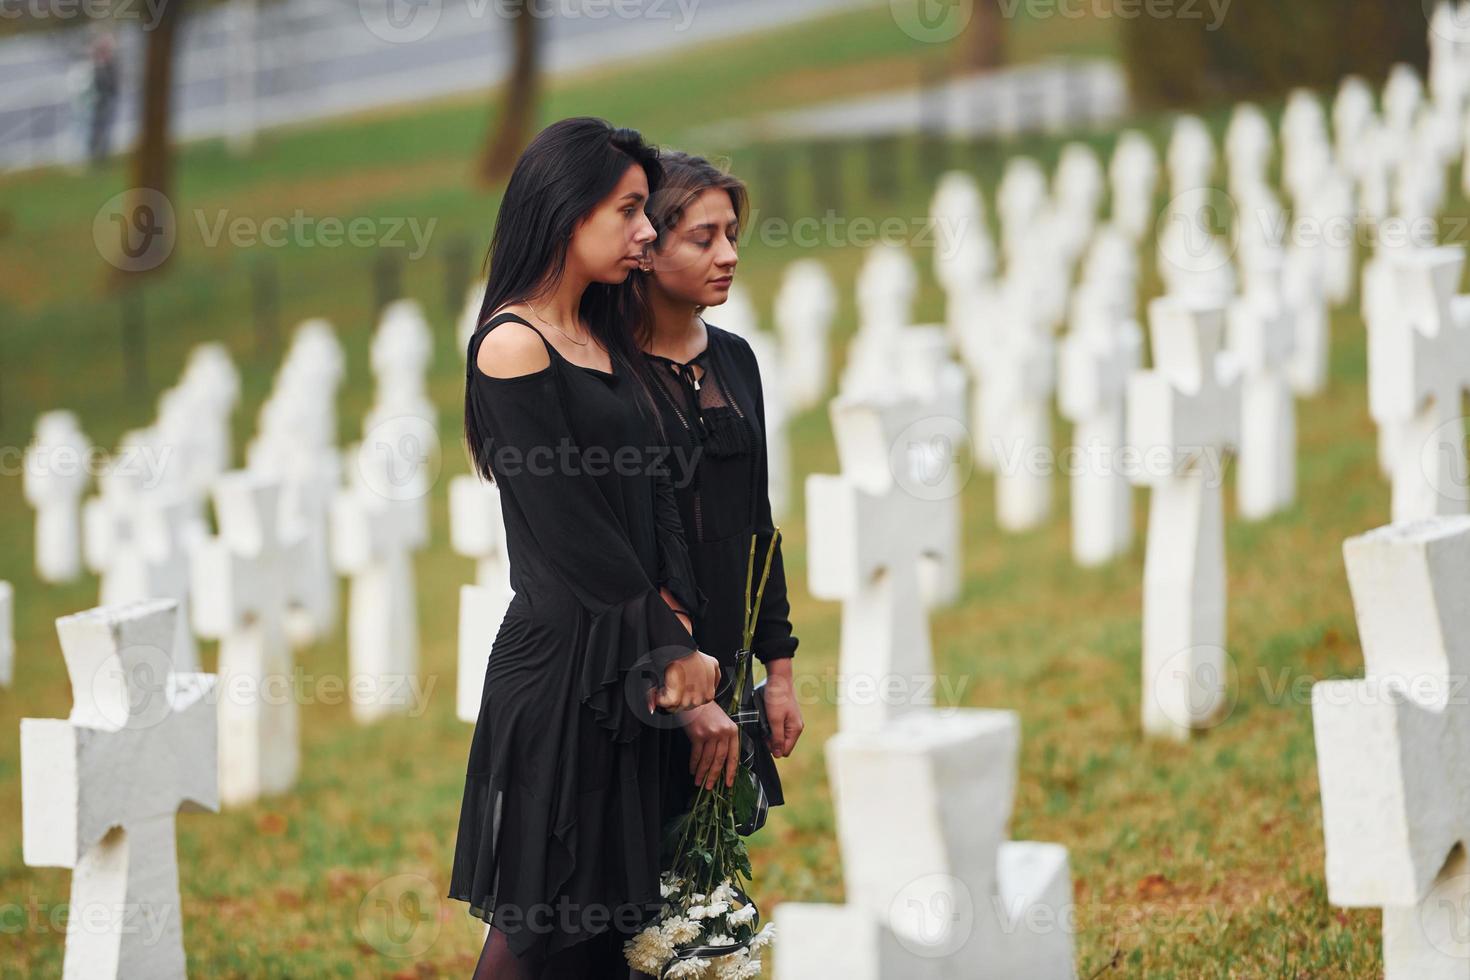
column 715, row 423
column 559, row 828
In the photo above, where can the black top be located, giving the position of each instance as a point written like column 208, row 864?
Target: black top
column 562, row 788
column 714, row 424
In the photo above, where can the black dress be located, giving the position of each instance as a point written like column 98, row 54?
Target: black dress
column 559, row 829
column 716, row 422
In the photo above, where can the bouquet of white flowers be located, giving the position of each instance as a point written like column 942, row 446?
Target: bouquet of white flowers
column 709, row 927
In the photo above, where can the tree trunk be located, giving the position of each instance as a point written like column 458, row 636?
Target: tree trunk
column 152, row 164
column 982, row 44
column 518, row 113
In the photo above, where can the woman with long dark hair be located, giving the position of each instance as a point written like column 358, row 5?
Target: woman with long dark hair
column 558, row 845
column 709, row 391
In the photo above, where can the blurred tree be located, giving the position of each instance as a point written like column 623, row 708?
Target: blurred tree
column 1259, row 48
column 153, row 155
column 982, row 44
column 517, row 114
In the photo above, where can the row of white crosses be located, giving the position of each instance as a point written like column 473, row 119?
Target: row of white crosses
column 149, row 514
column 382, row 516
column 923, row 795
column 296, row 444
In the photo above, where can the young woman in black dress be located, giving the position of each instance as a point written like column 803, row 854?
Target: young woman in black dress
column 558, row 845
column 709, row 388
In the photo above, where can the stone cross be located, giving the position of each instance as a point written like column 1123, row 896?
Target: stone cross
column 7, row 634
column 1393, row 749
column 1304, row 290
column 1098, row 356
column 964, row 253
column 1418, row 368
column 957, row 899
column 886, row 285
column 1019, row 198
column 101, row 790
column 139, row 541
column 56, row 475
column 477, row 531
column 806, row 305
column 871, row 531
column 373, row 537
column 242, row 590
column 1018, row 379
column 1183, row 417
column 1133, row 173
column 1262, row 338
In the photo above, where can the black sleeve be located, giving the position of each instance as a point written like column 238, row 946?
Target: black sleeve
column 773, row 639
column 675, row 569
column 634, row 634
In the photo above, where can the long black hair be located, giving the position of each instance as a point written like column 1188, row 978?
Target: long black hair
column 563, row 174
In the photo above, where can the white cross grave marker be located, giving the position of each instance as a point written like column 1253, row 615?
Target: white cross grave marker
column 1098, row 356
column 7, row 634
column 477, row 530
column 242, row 590
column 806, row 305
column 957, row 899
column 101, row 790
column 1182, row 418
column 373, row 534
column 871, row 530
column 1262, row 338
column 55, row 478
column 1418, row 368
column 1393, row 749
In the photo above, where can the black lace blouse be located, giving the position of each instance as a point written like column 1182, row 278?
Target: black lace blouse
column 714, row 421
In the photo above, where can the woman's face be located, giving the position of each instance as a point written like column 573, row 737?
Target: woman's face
column 609, row 241
column 695, row 262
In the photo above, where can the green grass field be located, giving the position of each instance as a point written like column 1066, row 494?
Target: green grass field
column 1195, row 860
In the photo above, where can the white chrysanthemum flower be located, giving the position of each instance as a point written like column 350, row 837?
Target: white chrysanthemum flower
column 695, row 967
column 741, row 915
column 730, row 967
column 649, row 950
column 697, row 897
column 724, row 893
column 696, row 912
column 763, row 938
column 720, row 939
column 666, row 888
column 716, row 908
column 679, row 930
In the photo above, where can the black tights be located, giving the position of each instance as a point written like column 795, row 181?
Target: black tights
column 598, row 958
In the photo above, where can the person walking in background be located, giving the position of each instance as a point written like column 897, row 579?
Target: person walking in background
column 103, row 98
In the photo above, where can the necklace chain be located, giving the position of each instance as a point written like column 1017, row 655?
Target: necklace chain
column 579, row 343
